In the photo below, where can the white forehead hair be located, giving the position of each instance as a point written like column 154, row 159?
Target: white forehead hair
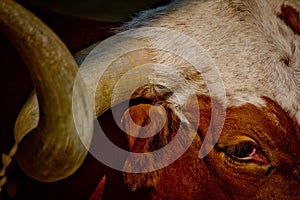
column 246, row 39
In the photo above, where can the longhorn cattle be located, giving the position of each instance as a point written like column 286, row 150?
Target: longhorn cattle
column 202, row 96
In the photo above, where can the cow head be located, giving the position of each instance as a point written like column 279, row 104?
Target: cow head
column 255, row 47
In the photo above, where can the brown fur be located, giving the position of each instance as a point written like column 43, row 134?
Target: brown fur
column 273, row 174
column 255, row 45
column 291, row 17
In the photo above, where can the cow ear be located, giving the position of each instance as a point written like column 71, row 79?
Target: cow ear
column 149, row 128
column 291, row 16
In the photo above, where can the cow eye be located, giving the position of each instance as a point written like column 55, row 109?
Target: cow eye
column 243, row 152
column 246, row 152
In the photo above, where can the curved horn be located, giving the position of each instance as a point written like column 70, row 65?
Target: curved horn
column 53, row 149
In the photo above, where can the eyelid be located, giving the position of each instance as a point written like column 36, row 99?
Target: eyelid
column 223, row 146
column 226, row 142
column 257, row 157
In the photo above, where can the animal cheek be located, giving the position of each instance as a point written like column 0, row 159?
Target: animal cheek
column 236, row 176
column 279, row 187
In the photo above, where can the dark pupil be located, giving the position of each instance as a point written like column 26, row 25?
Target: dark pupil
column 243, row 150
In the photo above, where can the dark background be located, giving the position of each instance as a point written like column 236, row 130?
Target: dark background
column 103, row 10
column 79, row 24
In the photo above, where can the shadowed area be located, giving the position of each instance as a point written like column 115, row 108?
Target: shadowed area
column 15, row 86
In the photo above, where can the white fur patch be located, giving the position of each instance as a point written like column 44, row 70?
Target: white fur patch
column 247, row 41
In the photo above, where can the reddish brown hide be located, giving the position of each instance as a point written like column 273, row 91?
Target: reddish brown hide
column 250, row 160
